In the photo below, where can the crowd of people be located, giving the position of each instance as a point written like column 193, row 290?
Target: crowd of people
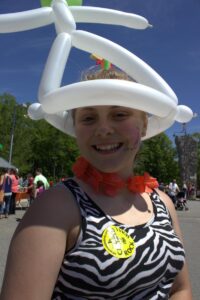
column 11, row 184
column 179, row 194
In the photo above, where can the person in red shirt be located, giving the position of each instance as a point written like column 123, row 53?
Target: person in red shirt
column 15, row 187
column 30, row 188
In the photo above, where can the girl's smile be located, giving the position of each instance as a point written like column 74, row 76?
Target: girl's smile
column 107, row 148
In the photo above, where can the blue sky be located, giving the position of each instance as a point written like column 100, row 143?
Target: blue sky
column 171, row 47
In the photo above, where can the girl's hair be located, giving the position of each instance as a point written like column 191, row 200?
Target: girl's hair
column 113, row 73
column 14, row 172
column 39, row 184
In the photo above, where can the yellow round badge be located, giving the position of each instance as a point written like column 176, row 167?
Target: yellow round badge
column 117, row 242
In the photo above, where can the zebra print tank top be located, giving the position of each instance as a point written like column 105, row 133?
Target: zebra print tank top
column 97, row 269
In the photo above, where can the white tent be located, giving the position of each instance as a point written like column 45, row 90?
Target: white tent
column 5, row 164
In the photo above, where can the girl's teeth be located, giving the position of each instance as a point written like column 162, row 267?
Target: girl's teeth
column 107, row 147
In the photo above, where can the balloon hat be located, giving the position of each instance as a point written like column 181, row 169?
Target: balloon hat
column 150, row 94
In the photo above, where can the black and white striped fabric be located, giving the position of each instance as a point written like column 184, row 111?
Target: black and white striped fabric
column 88, row 271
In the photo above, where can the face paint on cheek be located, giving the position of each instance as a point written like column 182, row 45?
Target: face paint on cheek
column 134, row 139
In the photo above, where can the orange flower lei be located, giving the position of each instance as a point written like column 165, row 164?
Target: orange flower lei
column 111, row 183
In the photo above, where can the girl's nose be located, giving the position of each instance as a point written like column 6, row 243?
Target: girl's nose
column 104, row 129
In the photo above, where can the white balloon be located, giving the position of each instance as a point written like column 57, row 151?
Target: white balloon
column 63, row 17
column 57, row 120
column 157, row 125
column 108, row 92
column 184, row 114
column 26, row 20
column 35, row 111
column 122, row 58
column 88, row 14
column 40, row 17
column 55, row 65
column 151, row 94
column 69, row 125
column 64, row 122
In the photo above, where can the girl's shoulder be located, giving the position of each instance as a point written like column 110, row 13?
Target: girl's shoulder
column 55, row 207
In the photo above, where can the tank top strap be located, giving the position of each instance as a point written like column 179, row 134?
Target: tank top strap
column 161, row 208
column 87, row 206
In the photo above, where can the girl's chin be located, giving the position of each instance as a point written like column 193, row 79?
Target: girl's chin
column 116, row 163
column 102, row 166
column 109, row 168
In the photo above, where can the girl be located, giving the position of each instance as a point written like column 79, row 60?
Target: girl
column 105, row 233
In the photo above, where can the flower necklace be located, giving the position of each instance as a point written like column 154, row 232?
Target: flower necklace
column 111, row 183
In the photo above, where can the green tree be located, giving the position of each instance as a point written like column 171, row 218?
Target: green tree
column 159, row 158
column 36, row 143
column 7, row 104
column 13, row 118
column 52, row 150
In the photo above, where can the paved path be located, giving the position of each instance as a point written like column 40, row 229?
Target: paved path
column 190, row 224
column 7, row 228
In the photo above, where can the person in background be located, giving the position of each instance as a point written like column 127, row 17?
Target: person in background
column 21, row 182
column 40, row 177
column 15, row 188
column 51, row 183
column 6, row 186
column 173, row 190
column 40, row 188
column 192, row 191
column 1, row 189
column 162, row 187
column 185, row 190
column 30, row 188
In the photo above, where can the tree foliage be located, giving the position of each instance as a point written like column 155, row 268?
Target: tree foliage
column 159, row 158
column 36, row 143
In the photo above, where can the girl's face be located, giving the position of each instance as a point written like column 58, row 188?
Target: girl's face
column 109, row 136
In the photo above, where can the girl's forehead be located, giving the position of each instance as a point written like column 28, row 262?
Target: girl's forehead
column 104, row 108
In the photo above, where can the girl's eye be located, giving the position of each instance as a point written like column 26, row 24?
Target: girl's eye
column 121, row 115
column 88, row 119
